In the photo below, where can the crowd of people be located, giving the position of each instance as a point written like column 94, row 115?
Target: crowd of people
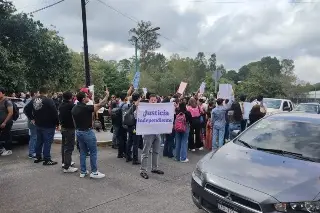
column 199, row 123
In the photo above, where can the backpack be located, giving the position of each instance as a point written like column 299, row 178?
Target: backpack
column 125, row 117
column 16, row 112
column 116, row 116
column 128, row 117
column 180, row 124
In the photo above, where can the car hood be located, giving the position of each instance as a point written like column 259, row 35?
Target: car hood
column 285, row 179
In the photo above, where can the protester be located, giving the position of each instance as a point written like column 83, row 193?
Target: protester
column 244, row 113
column 168, row 139
column 219, row 123
column 67, row 132
column 121, row 132
column 208, row 140
column 133, row 139
column 183, row 120
column 6, row 122
column 235, row 118
column 43, row 113
column 195, row 127
column 255, row 114
column 82, row 116
column 32, row 127
column 151, row 142
column 115, row 128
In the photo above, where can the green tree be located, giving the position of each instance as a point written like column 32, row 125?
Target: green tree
column 147, row 39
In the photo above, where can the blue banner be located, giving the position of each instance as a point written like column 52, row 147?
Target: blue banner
column 136, row 80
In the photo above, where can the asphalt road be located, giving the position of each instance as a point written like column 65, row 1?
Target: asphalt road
column 28, row 187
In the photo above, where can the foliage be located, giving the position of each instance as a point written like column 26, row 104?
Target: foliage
column 32, row 55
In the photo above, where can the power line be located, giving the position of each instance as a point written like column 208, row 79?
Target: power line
column 136, row 21
column 51, row 5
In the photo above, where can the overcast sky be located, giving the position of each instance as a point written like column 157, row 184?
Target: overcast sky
column 238, row 31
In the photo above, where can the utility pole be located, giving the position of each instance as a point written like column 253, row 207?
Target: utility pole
column 85, row 43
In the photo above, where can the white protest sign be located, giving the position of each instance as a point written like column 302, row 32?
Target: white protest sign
column 145, row 90
column 182, row 87
column 202, row 87
column 155, row 118
column 247, row 108
column 225, row 91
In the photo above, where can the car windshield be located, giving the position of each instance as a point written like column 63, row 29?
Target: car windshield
column 286, row 135
column 272, row 103
column 310, row 108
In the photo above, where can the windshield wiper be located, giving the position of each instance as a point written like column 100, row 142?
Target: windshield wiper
column 244, row 143
column 282, row 152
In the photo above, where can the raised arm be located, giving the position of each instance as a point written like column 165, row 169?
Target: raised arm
column 102, row 103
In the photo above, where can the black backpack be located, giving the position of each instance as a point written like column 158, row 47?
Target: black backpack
column 16, row 113
column 116, row 115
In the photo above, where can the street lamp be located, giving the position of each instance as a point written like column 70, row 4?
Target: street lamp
column 136, row 44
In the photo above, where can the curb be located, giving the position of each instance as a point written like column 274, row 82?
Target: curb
column 99, row 143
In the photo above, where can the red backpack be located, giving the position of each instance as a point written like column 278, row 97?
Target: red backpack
column 180, row 124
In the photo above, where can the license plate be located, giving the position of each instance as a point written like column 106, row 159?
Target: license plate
column 226, row 209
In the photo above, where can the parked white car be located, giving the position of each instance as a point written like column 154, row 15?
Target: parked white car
column 278, row 105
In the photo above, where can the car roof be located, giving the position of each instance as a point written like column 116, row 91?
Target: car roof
column 280, row 99
column 297, row 116
column 311, row 103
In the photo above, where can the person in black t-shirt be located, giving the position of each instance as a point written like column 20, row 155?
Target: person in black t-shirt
column 67, row 132
column 82, row 116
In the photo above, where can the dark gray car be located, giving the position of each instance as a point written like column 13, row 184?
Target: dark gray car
column 273, row 166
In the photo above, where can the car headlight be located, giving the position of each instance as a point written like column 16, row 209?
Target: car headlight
column 198, row 173
column 308, row 206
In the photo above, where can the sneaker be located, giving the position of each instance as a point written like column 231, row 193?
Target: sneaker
column 82, row 175
column 193, row 150
column 72, row 164
column 6, row 153
column 70, row 170
column 185, row 161
column 49, row 163
column 97, row 175
column 2, row 150
column 38, row 160
column 201, row 148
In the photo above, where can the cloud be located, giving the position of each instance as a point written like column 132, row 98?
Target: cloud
column 237, row 32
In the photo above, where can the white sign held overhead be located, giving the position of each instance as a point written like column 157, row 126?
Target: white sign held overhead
column 225, row 91
column 155, row 118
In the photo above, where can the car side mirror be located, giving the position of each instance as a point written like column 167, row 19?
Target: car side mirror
column 235, row 133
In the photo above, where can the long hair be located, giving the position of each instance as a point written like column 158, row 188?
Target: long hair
column 193, row 102
column 237, row 113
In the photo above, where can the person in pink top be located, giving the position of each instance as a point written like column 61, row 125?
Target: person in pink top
column 196, row 111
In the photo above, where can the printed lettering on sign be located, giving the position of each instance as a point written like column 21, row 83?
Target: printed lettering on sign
column 155, row 118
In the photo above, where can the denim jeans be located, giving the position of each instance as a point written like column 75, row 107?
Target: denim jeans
column 226, row 131
column 33, row 138
column 114, row 135
column 181, row 145
column 169, row 145
column 87, row 141
column 218, row 134
column 45, row 138
column 233, row 126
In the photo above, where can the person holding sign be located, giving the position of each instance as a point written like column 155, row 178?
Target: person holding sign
column 151, row 142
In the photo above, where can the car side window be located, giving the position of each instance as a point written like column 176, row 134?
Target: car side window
column 291, row 106
column 285, row 104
